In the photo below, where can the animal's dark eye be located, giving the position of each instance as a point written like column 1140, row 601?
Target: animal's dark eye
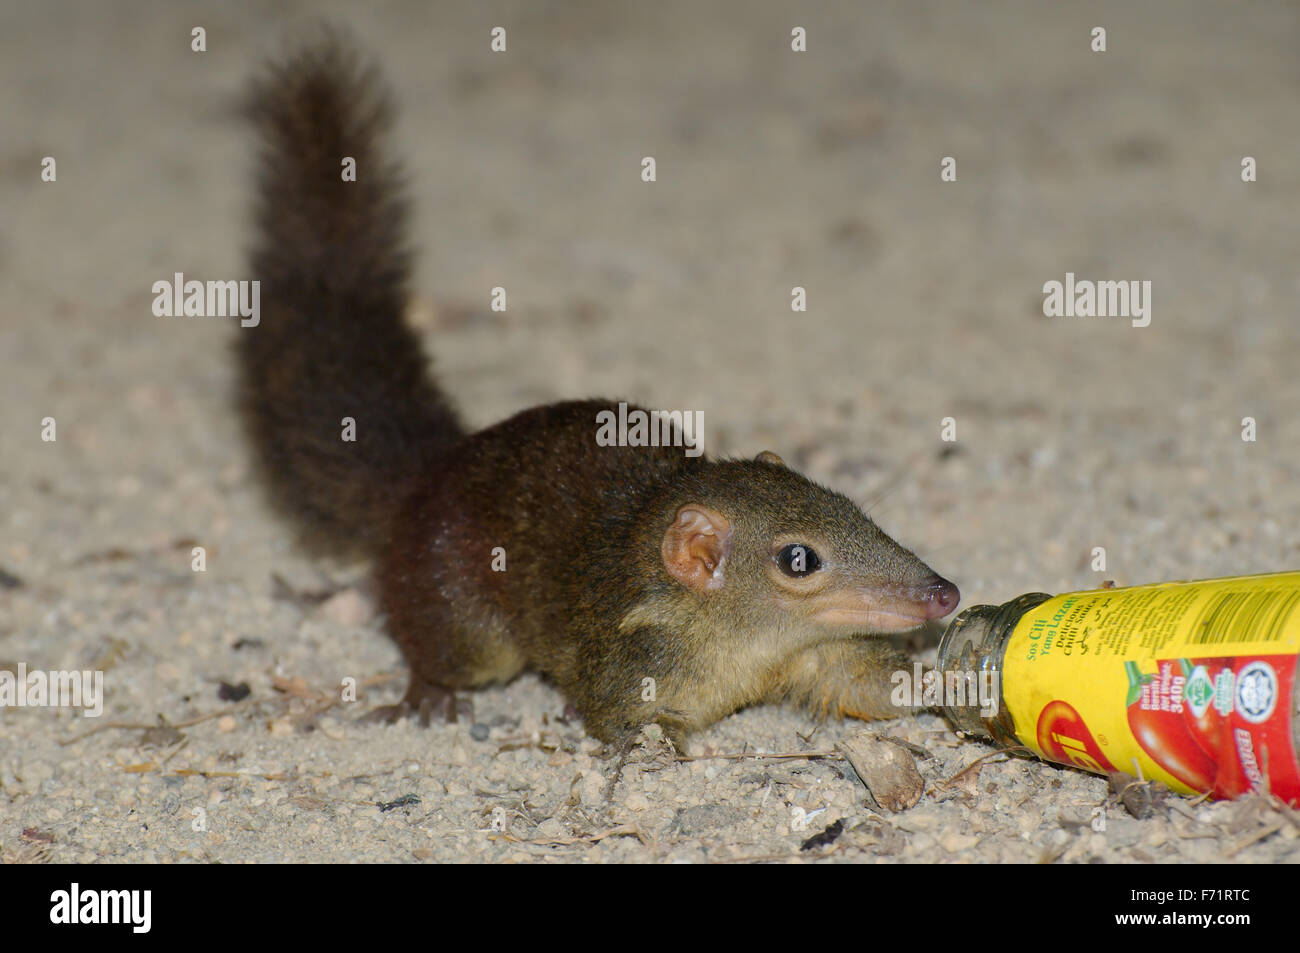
column 798, row 560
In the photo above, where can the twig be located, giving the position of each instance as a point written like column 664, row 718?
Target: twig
column 175, row 751
column 137, row 726
column 1259, row 835
column 954, row 780
column 228, row 710
column 627, row 830
column 774, row 756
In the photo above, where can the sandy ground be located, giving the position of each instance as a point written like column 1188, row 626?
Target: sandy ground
column 775, row 169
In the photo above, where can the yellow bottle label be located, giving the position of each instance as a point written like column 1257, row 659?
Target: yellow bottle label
column 1187, row 683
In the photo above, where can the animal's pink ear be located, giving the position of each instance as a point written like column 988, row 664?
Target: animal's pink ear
column 696, row 546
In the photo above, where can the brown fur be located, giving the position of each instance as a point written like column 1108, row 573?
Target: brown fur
column 643, row 582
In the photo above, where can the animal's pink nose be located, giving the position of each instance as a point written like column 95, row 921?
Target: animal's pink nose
column 940, row 597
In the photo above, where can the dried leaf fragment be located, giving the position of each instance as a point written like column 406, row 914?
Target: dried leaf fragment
column 888, row 770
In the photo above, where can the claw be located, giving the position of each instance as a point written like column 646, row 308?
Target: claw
column 425, row 701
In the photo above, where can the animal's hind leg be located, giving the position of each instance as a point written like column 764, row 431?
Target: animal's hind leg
column 426, row 701
column 452, row 637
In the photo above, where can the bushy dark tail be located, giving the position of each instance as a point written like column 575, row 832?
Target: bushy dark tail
column 332, row 344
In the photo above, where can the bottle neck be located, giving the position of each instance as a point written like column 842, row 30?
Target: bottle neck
column 976, row 642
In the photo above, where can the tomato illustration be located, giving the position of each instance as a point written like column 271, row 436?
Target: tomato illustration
column 1231, row 780
column 1209, row 728
column 1164, row 735
column 1063, row 737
